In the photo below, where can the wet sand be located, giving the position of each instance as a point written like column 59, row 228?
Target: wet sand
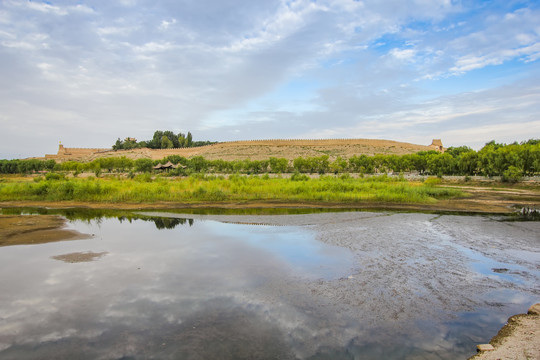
column 35, row 229
column 518, row 339
column 522, row 333
column 78, row 257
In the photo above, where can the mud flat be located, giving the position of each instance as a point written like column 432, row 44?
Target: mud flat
column 518, row 339
column 369, row 285
column 35, row 229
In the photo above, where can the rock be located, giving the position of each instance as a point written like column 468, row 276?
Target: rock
column 534, row 310
column 485, row 347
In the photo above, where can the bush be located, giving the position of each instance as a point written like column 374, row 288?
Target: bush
column 54, row 176
column 432, row 181
column 144, row 165
column 145, row 177
column 299, row 177
column 511, row 175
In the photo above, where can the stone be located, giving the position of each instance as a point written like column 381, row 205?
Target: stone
column 534, row 310
column 485, row 347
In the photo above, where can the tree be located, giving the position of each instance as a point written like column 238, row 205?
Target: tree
column 198, row 164
column 118, row 145
column 361, row 164
column 467, row 163
column 181, row 140
column 512, row 175
column 49, row 164
column 144, row 165
column 278, row 165
column 441, row 164
column 339, row 165
column 172, row 138
column 457, row 151
column 189, row 140
column 166, row 143
column 155, row 143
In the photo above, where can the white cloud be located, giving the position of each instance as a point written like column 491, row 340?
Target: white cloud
column 46, row 8
column 477, row 136
column 165, row 24
column 403, row 54
column 209, row 65
column 510, row 36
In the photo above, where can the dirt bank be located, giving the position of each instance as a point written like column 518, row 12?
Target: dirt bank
column 518, row 339
column 38, row 229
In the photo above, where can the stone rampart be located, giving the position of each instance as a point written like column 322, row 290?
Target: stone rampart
column 245, row 149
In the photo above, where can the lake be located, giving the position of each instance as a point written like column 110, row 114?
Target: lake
column 328, row 285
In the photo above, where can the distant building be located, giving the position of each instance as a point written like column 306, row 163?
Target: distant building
column 130, row 139
column 436, row 144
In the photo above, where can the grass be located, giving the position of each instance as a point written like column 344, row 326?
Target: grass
column 218, row 189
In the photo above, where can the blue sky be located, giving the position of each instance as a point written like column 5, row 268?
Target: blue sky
column 88, row 72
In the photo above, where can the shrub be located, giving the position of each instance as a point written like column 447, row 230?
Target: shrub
column 299, row 177
column 432, row 181
column 54, row 176
column 144, row 177
column 511, row 175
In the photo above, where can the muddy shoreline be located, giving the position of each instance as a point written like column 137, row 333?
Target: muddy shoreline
column 35, row 229
column 487, row 206
column 518, row 339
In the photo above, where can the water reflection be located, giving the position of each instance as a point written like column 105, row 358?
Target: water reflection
column 320, row 286
column 169, row 223
column 98, row 215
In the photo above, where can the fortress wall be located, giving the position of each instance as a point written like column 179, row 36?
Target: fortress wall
column 243, row 149
column 319, row 142
column 80, row 151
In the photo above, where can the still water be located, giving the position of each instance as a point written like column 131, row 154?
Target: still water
column 349, row 285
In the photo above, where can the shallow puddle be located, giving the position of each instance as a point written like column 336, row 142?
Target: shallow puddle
column 306, row 286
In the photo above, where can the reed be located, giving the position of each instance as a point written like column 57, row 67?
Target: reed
column 218, row 189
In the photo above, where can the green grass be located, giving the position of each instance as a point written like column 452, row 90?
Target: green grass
column 217, row 189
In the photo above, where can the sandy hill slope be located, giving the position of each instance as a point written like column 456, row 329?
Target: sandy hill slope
column 256, row 150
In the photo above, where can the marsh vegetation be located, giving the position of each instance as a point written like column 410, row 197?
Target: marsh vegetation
column 234, row 188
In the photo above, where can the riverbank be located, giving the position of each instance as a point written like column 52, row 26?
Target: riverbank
column 518, row 339
column 474, row 199
column 35, row 229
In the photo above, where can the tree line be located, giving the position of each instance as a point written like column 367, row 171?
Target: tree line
column 510, row 162
column 161, row 140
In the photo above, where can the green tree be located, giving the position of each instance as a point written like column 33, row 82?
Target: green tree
column 339, row 165
column 457, row 151
column 467, row 163
column 198, row 164
column 181, row 140
column 362, row 164
column 155, row 143
column 166, row 143
column 278, row 165
column 144, row 165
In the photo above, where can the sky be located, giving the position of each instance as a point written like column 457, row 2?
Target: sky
column 88, row 72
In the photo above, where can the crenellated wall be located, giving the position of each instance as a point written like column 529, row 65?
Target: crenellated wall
column 255, row 149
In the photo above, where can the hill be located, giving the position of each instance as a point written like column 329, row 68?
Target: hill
column 257, row 150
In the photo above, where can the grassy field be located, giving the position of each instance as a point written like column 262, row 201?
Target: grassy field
column 218, row 189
